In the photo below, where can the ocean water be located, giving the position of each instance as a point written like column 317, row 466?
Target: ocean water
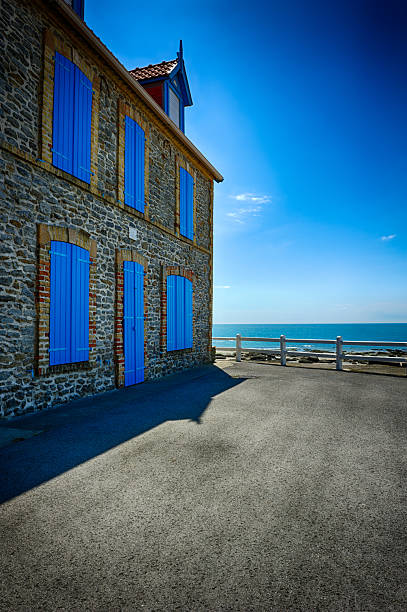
column 396, row 332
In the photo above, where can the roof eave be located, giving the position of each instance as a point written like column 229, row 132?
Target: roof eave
column 150, row 80
column 108, row 56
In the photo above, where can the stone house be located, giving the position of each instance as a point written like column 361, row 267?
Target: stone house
column 106, row 215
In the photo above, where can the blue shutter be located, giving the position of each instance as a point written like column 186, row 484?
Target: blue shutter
column 134, row 140
column 171, row 313
column 72, row 119
column 190, row 206
column 69, row 304
column 80, row 305
column 186, row 204
column 139, row 320
column 129, row 324
column 133, row 322
column 188, row 314
column 82, row 126
column 60, row 303
column 180, row 312
column 183, row 201
column 63, row 114
column 129, row 157
column 139, row 170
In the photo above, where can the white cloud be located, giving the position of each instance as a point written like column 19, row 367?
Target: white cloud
column 342, row 306
column 235, row 217
column 251, row 197
column 389, row 237
column 222, row 287
column 240, row 214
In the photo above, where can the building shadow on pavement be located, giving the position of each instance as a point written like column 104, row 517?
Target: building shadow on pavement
column 76, row 432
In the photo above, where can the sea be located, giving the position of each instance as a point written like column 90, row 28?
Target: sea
column 379, row 332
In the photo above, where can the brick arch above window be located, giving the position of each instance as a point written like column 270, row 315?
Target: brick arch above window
column 176, row 271
column 46, row 235
column 80, row 238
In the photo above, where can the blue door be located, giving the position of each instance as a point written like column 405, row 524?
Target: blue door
column 133, row 322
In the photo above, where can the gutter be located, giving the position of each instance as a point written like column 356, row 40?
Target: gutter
column 80, row 26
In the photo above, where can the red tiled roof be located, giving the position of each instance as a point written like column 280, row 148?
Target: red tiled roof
column 154, row 70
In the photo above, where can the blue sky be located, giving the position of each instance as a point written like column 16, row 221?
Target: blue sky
column 302, row 107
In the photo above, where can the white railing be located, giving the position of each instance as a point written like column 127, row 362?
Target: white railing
column 339, row 355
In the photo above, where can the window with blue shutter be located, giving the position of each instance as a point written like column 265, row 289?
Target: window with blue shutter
column 69, row 304
column 186, row 204
column 72, row 116
column 179, row 313
column 134, row 140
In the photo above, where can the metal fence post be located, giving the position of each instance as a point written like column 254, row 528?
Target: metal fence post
column 283, row 351
column 238, row 347
column 339, row 352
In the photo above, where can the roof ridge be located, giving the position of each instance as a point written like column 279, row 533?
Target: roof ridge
column 153, row 65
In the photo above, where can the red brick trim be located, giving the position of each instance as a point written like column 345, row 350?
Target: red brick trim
column 179, row 271
column 121, row 256
column 46, row 233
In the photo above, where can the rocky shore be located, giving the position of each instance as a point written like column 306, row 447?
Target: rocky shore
column 328, row 361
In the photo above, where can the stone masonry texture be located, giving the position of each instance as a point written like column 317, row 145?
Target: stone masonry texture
column 32, row 192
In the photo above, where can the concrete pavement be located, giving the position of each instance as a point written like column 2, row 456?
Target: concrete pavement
column 241, row 487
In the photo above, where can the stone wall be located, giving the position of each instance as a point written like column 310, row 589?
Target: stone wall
column 107, row 149
column 162, row 180
column 32, row 192
column 20, row 74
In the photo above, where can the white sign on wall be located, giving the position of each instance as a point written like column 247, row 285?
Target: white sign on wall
column 132, row 233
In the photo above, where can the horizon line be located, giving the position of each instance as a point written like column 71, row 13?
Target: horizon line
column 332, row 323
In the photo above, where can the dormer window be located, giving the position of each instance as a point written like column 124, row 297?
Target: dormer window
column 174, row 107
column 167, row 83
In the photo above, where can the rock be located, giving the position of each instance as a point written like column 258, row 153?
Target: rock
column 309, row 359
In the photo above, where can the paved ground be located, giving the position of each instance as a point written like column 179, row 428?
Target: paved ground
column 245, row 487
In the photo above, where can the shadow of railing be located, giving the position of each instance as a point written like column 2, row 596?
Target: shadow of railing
column 81, row 430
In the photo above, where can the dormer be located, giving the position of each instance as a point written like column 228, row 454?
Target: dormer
column 167, row 83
